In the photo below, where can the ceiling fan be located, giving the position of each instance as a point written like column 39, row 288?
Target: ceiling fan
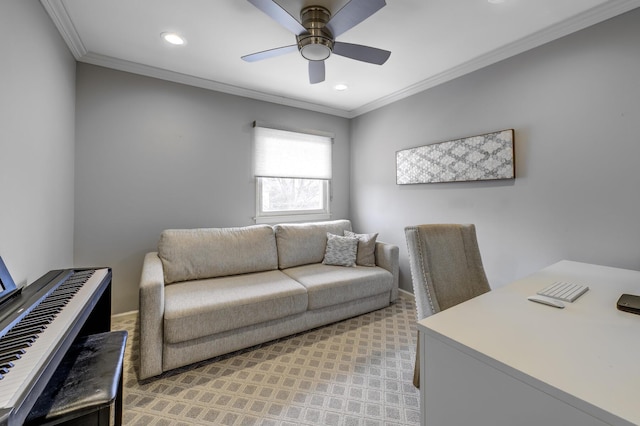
column 316, row 33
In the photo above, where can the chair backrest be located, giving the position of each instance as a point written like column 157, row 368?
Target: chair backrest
column 446, row 267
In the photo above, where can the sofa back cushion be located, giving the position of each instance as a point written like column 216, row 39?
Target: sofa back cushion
column 305, row 243
column 193, row 254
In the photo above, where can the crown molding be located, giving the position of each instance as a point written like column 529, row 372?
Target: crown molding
column 554, row 32
column 176, row 77
column 62, row 21
column 64, row 24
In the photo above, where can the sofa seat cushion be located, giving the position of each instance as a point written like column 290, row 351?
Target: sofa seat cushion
column 329, row 285
column 201, row 308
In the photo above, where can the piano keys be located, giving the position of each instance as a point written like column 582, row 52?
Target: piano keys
column 39, row 325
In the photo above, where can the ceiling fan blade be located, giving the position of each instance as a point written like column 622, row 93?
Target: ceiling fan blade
column 279, row 15
column 266, row 54
column 352, row 14
column 361, row 53
column 316, row 72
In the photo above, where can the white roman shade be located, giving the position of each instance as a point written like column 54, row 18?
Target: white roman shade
column 288, row 154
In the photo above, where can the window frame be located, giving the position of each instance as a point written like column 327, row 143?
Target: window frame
column 324, row 213
column 293, row 215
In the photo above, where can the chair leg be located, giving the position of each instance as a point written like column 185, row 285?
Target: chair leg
column 416, row 367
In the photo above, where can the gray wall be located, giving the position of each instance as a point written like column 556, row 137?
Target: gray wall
column 153, row 155
column 575, row 108
column 37, row 107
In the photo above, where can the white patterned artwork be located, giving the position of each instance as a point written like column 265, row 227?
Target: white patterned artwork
column 483, row 157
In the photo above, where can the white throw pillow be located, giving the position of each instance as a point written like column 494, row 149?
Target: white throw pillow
column 340, row 251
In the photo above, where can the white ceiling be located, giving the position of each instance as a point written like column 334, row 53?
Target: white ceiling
column 432, row 41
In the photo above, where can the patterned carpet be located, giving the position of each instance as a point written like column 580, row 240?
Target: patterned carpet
column 355, row 372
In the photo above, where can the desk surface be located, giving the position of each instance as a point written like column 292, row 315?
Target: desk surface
column 587, row 354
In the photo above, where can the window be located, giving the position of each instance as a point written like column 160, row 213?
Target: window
column 292, row 171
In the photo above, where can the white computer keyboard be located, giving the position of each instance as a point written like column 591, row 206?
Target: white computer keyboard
column 567, row 292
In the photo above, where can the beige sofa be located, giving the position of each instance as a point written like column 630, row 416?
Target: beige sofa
column 207, row 292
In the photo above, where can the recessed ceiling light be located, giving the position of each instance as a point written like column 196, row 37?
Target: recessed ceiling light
column 173, row 38
column 341, row 87
column 495, row 1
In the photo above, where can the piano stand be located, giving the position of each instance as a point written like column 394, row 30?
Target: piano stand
column 86, row 384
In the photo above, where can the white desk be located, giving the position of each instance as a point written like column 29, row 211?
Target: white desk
column 500, row 359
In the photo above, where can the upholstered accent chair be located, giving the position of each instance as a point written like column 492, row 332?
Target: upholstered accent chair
column 446, row 269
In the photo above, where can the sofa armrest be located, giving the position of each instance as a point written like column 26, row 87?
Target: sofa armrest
column 387, row 257
column 151, row 316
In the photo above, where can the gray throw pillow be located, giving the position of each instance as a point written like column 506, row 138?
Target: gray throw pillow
column 340, row 251
column 366, row 248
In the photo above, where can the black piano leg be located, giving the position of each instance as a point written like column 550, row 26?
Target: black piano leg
column 118, row 404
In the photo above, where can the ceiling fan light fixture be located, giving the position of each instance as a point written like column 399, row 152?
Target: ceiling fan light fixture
column 316, row 31
column 317, row 43
column 315, row 48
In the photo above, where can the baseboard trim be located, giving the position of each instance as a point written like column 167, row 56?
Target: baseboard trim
column 405, row 294
column 124, row 314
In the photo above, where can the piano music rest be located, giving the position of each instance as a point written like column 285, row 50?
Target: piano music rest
column 85, row 385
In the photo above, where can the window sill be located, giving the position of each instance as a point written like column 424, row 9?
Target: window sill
column 292, row 218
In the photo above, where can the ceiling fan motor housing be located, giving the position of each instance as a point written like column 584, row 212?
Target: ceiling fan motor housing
column 317, row 43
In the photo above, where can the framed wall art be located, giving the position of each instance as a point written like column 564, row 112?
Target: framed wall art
column 476, row 158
